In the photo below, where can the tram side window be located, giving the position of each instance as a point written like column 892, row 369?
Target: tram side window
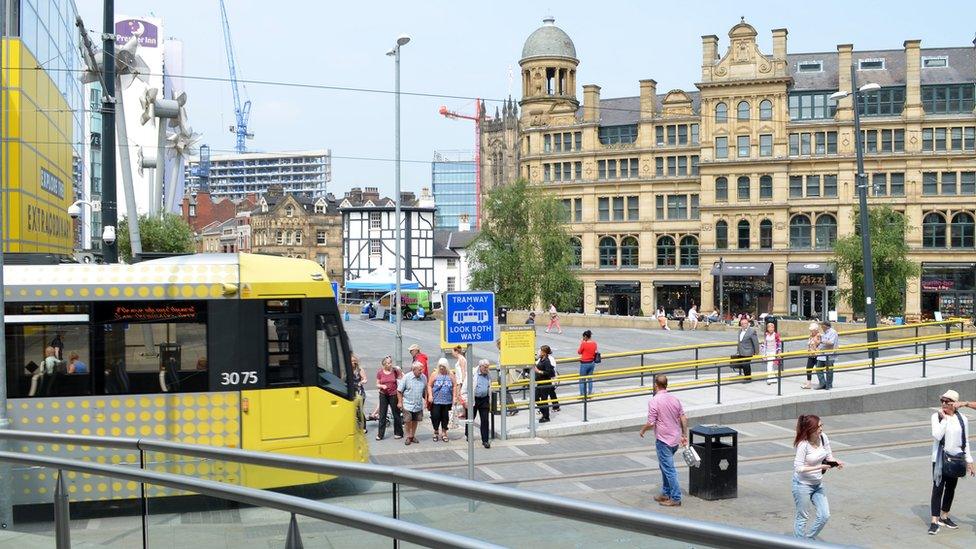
column 155, row 358
column 284, row 341
column 47, row 360
column 330, row 355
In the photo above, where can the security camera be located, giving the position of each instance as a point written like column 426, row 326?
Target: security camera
column 108, row 235
column 74, row 211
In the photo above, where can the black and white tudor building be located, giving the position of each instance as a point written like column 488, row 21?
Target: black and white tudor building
column 368, row 234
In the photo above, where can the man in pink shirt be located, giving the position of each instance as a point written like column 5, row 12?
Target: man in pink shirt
column 666, row 416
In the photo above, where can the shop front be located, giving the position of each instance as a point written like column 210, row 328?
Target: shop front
column 813, row 289
column 618, row 298
column 747, row 287
column 949, row 288
column 677, row 295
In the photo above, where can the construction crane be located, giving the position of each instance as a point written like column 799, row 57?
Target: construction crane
column 241, row 111
column 478, row 111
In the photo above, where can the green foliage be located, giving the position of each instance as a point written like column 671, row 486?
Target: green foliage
column 523, row 253
column 889, row 253
column 167, row 233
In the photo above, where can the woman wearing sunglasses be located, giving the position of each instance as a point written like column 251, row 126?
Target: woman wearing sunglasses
column 950, row 430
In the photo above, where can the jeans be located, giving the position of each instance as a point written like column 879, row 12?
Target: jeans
column 826, row 375
column 816, row 494
column 665, row 460
column 942, row 495
column 586, row 385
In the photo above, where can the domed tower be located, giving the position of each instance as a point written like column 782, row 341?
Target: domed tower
column 549, row 71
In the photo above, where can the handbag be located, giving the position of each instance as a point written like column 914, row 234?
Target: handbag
column 597, row 358
column 954, row 465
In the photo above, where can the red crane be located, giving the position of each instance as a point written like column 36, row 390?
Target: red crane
column 477, row 152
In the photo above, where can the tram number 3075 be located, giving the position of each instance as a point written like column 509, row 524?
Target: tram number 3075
column 238, row 378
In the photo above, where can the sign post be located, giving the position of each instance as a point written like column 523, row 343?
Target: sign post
column 518, row 349
column 469, row 317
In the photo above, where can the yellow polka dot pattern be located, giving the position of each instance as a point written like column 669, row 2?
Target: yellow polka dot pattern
column 121, row 282
column 204, row 418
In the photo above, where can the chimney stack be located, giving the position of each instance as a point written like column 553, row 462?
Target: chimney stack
column 648, row 98
column 779, row 52
column 591, row 103
column 709, row 55
column 913, row 78
column 844, row 60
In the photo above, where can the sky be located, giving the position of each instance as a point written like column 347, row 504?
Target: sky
column 465, row 50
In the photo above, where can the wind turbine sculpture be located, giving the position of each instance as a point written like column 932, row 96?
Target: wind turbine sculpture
column 129, row 67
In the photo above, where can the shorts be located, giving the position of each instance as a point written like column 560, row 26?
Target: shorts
column 413, row 416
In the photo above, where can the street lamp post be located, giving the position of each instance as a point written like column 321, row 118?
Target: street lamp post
column 870, row 309
column 401, row 41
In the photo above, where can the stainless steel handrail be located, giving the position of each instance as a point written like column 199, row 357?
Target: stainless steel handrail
column 687, row 530
column 394, row 528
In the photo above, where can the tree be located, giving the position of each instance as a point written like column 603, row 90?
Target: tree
column 167, row 233
column 523, row 253
column 889, row 252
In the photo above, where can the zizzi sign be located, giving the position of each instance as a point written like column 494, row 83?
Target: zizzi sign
column 52, row 184
column 146, row 33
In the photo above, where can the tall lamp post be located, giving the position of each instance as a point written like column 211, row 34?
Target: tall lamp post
column 401, row 41
column 870, row 309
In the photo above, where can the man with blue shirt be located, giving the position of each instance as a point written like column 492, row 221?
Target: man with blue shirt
column 411, row 395
column 829, row 341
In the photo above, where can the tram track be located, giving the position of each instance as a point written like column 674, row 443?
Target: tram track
column 553, row 459
column 645, row 449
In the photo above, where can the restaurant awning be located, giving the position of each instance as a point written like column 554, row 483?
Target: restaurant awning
column 800, row 267
column 730, row 268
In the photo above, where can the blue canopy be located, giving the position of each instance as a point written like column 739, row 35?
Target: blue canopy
column 380, row 280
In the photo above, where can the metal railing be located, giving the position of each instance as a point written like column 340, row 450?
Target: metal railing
column 712, row 367
column 620, row 518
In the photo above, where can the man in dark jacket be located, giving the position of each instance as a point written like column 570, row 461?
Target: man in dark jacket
column 748, row 346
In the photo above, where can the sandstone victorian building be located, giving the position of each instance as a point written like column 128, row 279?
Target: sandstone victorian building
column 751, row 173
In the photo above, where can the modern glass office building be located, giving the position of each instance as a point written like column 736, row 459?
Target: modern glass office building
column 42, row 124
column 454, row 181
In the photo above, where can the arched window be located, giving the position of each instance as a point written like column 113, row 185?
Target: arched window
column 933, row 231
column 689, row 251
column 721, row 113
column 577, row 247
column 742, row 111
column 766, row 234
column 608, row 252
column 800, row 232
column 765, row 109
column 665, row 252
column 963, row 231
column 742, row 228
column 826, row 231
column 721, row 189
column 722, row 235
column 743, row 191
column 629, row 255
column 765, row 187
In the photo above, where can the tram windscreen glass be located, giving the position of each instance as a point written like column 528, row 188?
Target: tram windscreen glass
column 330, row 355
column 47, row 359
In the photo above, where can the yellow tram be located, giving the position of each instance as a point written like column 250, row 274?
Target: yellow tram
column 235, row 350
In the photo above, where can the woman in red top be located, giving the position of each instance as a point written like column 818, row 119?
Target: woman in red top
column 587, row 353
column 386, row 382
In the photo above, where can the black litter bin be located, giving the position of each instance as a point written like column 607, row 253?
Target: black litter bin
column 717, row 477
column 503, row 315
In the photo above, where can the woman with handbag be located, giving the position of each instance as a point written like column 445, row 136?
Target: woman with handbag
column 813, row 458
column 951, row 458
column 771, row 346
column 588, row 354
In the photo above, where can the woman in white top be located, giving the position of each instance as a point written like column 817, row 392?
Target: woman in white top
column 460, row 374
column 770, row 345
column 813, row 457
column 693, row 316
column 949, row 427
